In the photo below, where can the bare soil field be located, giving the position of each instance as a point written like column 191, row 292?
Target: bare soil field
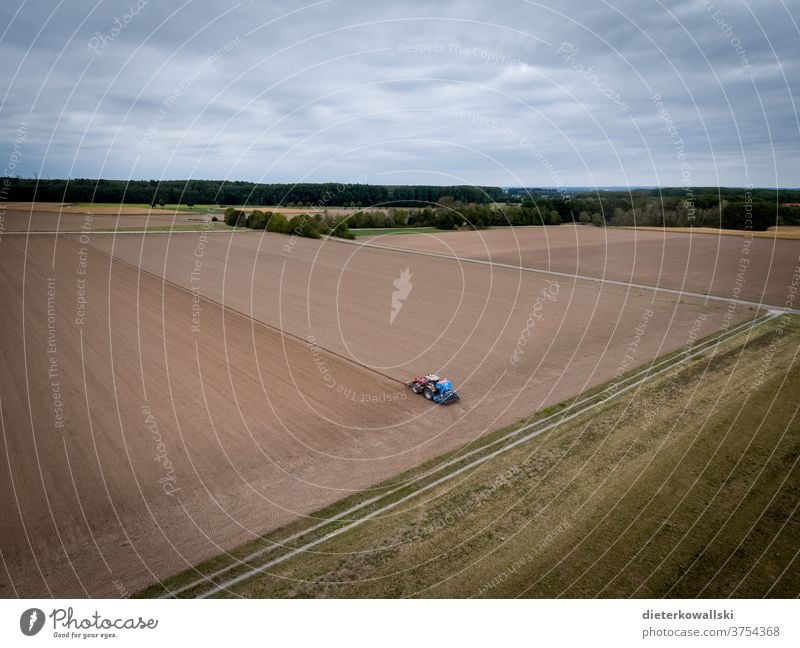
column 513, row 341
column 55, row 217
column 157, row 428
column 134, row 446
column 18, row 220
column 75, row 208
column 705, row 264
column 783, row 232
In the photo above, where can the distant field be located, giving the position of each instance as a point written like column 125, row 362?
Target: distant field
column 165, row 207
column 784, row 232
column 662, row 257
column 143, row 209
column 381, row 231
column 20, row 220
column 199, row 227
column 99, row 209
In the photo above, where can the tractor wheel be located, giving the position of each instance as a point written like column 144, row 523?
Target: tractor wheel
column 428, row 393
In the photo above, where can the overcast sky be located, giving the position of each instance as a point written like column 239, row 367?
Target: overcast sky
column 509, row 93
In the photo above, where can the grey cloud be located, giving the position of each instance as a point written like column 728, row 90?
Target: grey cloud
column 343, row 89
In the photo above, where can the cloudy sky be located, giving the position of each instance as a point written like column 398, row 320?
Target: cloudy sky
column 510, row 93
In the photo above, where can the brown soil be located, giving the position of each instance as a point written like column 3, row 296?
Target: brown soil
column 706, row 264
column 38, row 208
column 254, row 422
column 783, row 232
column 687, row 487
column 253, row 436
column 461, row 320
column 79, row 221
column 163, row 215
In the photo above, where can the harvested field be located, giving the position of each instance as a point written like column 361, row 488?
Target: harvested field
column 704, row 263
column 123, row 209
column 66, row 221
column 789, row 232
column 38, row 208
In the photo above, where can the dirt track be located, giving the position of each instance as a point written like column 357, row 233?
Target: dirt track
column 701, row 263
column 263, row 437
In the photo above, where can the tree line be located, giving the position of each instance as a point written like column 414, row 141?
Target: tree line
column 737, row 211
column 725, row 208
column 446, row 207
column 217, row 192
column 305, row 225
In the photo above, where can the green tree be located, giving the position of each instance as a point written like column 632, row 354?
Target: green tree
column 445, row 220
column 303, row 225
column 341, row 230
column 257, row 220
column 235, row 217
column 277, row 223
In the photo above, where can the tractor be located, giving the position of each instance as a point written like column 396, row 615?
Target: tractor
column 438, row 390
